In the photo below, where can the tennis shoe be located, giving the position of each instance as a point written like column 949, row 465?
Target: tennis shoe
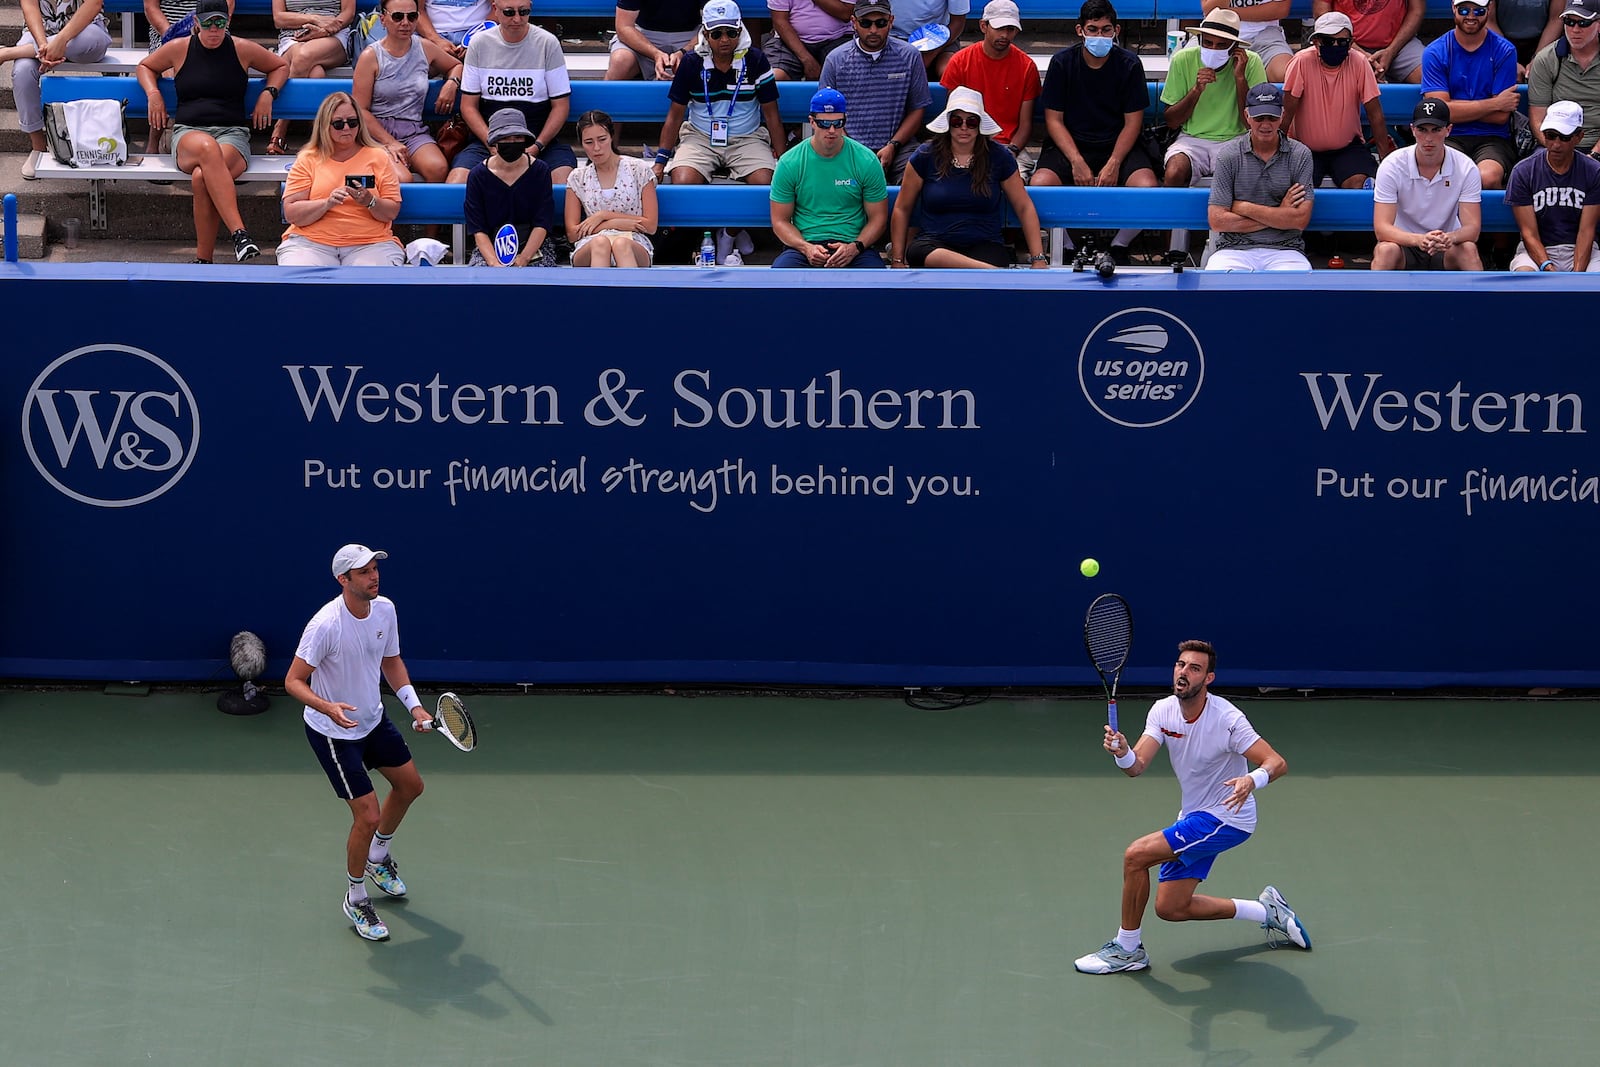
column 1281, row 920
column 1112, row 959
column 386, row 876
column 244, row 249
column 367, row 923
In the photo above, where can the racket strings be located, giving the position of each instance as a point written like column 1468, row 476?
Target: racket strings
column 455, row 720
column 1108, row 633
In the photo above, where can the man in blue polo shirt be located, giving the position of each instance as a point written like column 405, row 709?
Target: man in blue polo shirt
column 886, row 84
column 1474, row 71
column 723, row 110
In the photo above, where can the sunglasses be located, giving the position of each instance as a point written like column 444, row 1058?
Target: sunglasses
column 1576, row 24
column 214, row 22
column 1563, row 137
column 404, row 16
column 1471, row 11
column 344, row 124
column 723, row 33
column 969, row 122
column 513, row 12
column 828, row 124
column 873, row 24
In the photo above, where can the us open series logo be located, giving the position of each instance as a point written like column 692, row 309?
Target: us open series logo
column 1141, row 367
column 110, row 425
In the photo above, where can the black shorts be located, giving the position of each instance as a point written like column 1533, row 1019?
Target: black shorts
column 347, row 762
column 1342, row 164
column 1417, row 259
column 991, row 252
column 1096, row 156
column 1480, row 148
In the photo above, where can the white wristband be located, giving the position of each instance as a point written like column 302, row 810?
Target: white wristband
column 1260, row 777
column 408, row 697
column 1127, row 759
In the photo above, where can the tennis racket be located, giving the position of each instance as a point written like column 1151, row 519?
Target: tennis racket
column 451, row 718
column 1108, row 635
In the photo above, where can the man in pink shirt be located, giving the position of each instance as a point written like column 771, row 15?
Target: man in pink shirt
column 1324, row 90
column 1006, row 77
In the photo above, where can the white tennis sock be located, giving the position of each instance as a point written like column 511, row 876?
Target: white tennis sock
column 1251, row 911
column 358, row 889
column 1124, row 238
column 1129, row 939
column 378, row 851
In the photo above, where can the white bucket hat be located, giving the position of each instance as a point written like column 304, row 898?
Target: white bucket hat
column 970, row 101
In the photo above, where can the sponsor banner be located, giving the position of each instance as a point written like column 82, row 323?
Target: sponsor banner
column 885, row 483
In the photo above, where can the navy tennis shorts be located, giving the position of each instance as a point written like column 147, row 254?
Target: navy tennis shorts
column 347, row 762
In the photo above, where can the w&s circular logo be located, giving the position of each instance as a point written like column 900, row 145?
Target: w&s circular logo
column 110, row 425
column 1141, row 367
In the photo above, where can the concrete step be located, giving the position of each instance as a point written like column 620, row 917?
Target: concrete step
column 30, row 236
column 12, row 139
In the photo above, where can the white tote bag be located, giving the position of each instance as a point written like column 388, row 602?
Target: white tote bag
column 96, row 132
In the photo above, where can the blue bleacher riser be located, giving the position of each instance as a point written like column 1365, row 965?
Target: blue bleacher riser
column 623, row 101
column 1130, row 10
column 710, row 206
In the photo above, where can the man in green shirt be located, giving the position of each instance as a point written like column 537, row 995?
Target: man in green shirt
column 829, row 200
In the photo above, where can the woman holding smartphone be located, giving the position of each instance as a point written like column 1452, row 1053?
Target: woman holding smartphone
column 341, row 197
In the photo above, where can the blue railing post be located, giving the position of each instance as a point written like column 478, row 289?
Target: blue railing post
column 11, row 227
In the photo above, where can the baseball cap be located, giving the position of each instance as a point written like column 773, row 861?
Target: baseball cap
column 1431, row 111
column 872, row 7
column 210, row 7
column 1332, row 25
column 1587, row 10
column 827, row 102
column 1002, row 13
column 1563, row 117
column 1263, row 100
column 720, row 13
column 351, row 557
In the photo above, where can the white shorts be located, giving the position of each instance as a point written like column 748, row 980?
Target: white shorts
column 297, row 251
column 1560, row 255
column 1250, row 260
column 1201, row 152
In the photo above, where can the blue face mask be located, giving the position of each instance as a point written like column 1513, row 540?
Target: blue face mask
column 1099, row 47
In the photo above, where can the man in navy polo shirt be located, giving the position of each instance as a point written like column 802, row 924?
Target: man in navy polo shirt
column 724, row 106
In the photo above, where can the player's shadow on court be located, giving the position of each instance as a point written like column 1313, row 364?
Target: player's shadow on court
column 429, row 974
column 1252, row 987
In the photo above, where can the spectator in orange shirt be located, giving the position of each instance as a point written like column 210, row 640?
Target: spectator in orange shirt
column 1323, row 92
column 1006, row 77
column 341, row 196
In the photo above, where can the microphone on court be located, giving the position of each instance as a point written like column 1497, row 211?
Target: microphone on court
column 248, row 657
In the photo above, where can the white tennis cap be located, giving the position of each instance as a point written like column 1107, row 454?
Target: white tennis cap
column 350, row 557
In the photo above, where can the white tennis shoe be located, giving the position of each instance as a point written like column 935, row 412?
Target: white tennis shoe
column 1281, row 919
column 1112, row 959
column 386, row 876
column 366, row 920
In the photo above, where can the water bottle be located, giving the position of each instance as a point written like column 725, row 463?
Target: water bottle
column 708, row 251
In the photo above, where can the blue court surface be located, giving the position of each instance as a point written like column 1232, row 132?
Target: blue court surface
column 651, row 879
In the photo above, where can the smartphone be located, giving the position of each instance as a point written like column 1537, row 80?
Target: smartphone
column 360, row 181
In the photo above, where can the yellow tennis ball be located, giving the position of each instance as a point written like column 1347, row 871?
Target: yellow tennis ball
column 1089, row 568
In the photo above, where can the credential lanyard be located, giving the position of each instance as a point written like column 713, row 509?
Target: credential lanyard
column 705, row 77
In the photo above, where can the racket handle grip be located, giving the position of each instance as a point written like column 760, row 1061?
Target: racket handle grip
column 1111, row 716
column 421, row 727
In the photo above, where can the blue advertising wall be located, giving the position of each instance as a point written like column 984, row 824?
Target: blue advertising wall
column 738, row 476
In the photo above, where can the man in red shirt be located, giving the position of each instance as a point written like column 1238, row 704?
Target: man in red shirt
column 1006, row 77
column 1386, row 30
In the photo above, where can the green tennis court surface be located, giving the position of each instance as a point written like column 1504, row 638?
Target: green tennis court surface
column 627, row 880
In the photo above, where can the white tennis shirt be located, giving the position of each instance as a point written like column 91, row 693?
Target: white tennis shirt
column 346, row 654
column 1205, row 754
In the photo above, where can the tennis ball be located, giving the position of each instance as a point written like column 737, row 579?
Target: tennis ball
column 1089, row 568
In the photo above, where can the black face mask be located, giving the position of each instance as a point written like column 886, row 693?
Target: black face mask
column 1333, row 54
column 510, row 150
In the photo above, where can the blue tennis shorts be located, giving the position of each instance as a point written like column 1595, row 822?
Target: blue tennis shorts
column 347, row 762
column 1198, row 839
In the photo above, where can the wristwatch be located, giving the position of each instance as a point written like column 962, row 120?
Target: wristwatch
column 538, row 144
column 859, row 246
column 273, row 89
column 894, row 145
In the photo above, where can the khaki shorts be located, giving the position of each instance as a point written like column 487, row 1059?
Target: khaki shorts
column 744, row 155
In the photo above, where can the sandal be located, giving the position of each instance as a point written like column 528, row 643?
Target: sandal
column 277, row 146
